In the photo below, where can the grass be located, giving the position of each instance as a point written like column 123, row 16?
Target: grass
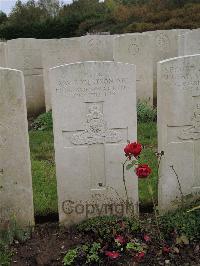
column 10, row 233
column 147, row 135
column 5, row 255
column 43, row 166
column 43, row 172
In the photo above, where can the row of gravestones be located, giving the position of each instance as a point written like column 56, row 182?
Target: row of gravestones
column 34, row 58
column 94, row 114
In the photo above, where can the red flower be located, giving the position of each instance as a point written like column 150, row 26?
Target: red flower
column 120, row 239
column 139, row 256
column 133, row 149
column 147, row 238
column 143, row 170
column 112, row 254
column 166, row 249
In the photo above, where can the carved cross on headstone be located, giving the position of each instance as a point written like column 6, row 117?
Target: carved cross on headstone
column 96, row 135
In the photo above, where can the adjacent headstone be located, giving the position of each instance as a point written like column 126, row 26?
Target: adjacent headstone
column 71, row 50
column 189, row 43
column 165, row 45
column 97, row 47
column 2, row 54
column 94, row 114
column 178, row 128
column 137, row 49
column 16, row 196
column 25, row 55
column 57, row 52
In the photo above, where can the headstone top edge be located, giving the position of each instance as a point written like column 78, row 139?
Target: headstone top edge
column 177, row 58
column 11, row 69
column 91, row 62
column 135, row 34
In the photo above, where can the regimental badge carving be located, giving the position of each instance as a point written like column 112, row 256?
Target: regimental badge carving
column 192, row 132
column 94, row 45
column 96, row 130
column 162, row 41
column 133, row 49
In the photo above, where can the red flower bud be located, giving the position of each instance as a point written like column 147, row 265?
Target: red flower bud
column 112, row 254
column 147, row 238
column 166, row 249
column 143, row 170
column 133, row 149
column 139, row 256
column 120, row 239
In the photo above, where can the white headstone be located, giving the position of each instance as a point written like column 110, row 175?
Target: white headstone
column 71, row 50
column 57, row 52
column 178, row 128
column 97, row 47
column 137, row 49
column 16, row 195
column 2, row 54
column 165, row 45
column 25, row 55
column 94, row 114
column 190, row 43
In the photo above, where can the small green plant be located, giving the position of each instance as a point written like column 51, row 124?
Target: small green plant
column 43, row 122
column 7, row 236
column 87, row 253
column 134, row 246
column 182, row 222
column 93, row 255
column 145, row 112
column 106, row 226
column 14, row 232
column 5, row 255
column 70, row 257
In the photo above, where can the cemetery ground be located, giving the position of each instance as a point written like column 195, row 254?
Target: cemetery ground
column 172, row 239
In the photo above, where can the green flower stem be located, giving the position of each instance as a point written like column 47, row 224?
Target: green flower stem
column 124, row 181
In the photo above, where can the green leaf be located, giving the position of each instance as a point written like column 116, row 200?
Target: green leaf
column 129, row 166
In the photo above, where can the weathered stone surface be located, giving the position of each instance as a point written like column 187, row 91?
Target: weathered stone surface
column 97, row 47
column 2, row 54
column 179, row 128
column 94, row 113
column 71, row 50
column 57, row 52
column 16, row 196
column 25, row 55
column 137, row 49
column 190, row 43
column 165, row 45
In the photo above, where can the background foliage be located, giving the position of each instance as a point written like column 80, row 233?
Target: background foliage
column 45, row 19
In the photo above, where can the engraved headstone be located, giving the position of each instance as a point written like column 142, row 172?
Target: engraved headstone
column 189, row 43
column 165, row 45
column 57, row 52
column 94, row 114
column 137, row 49
column 179, row 128
column 16, row 196
column 71, row 50
column 25, row 55
column 97, row 47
